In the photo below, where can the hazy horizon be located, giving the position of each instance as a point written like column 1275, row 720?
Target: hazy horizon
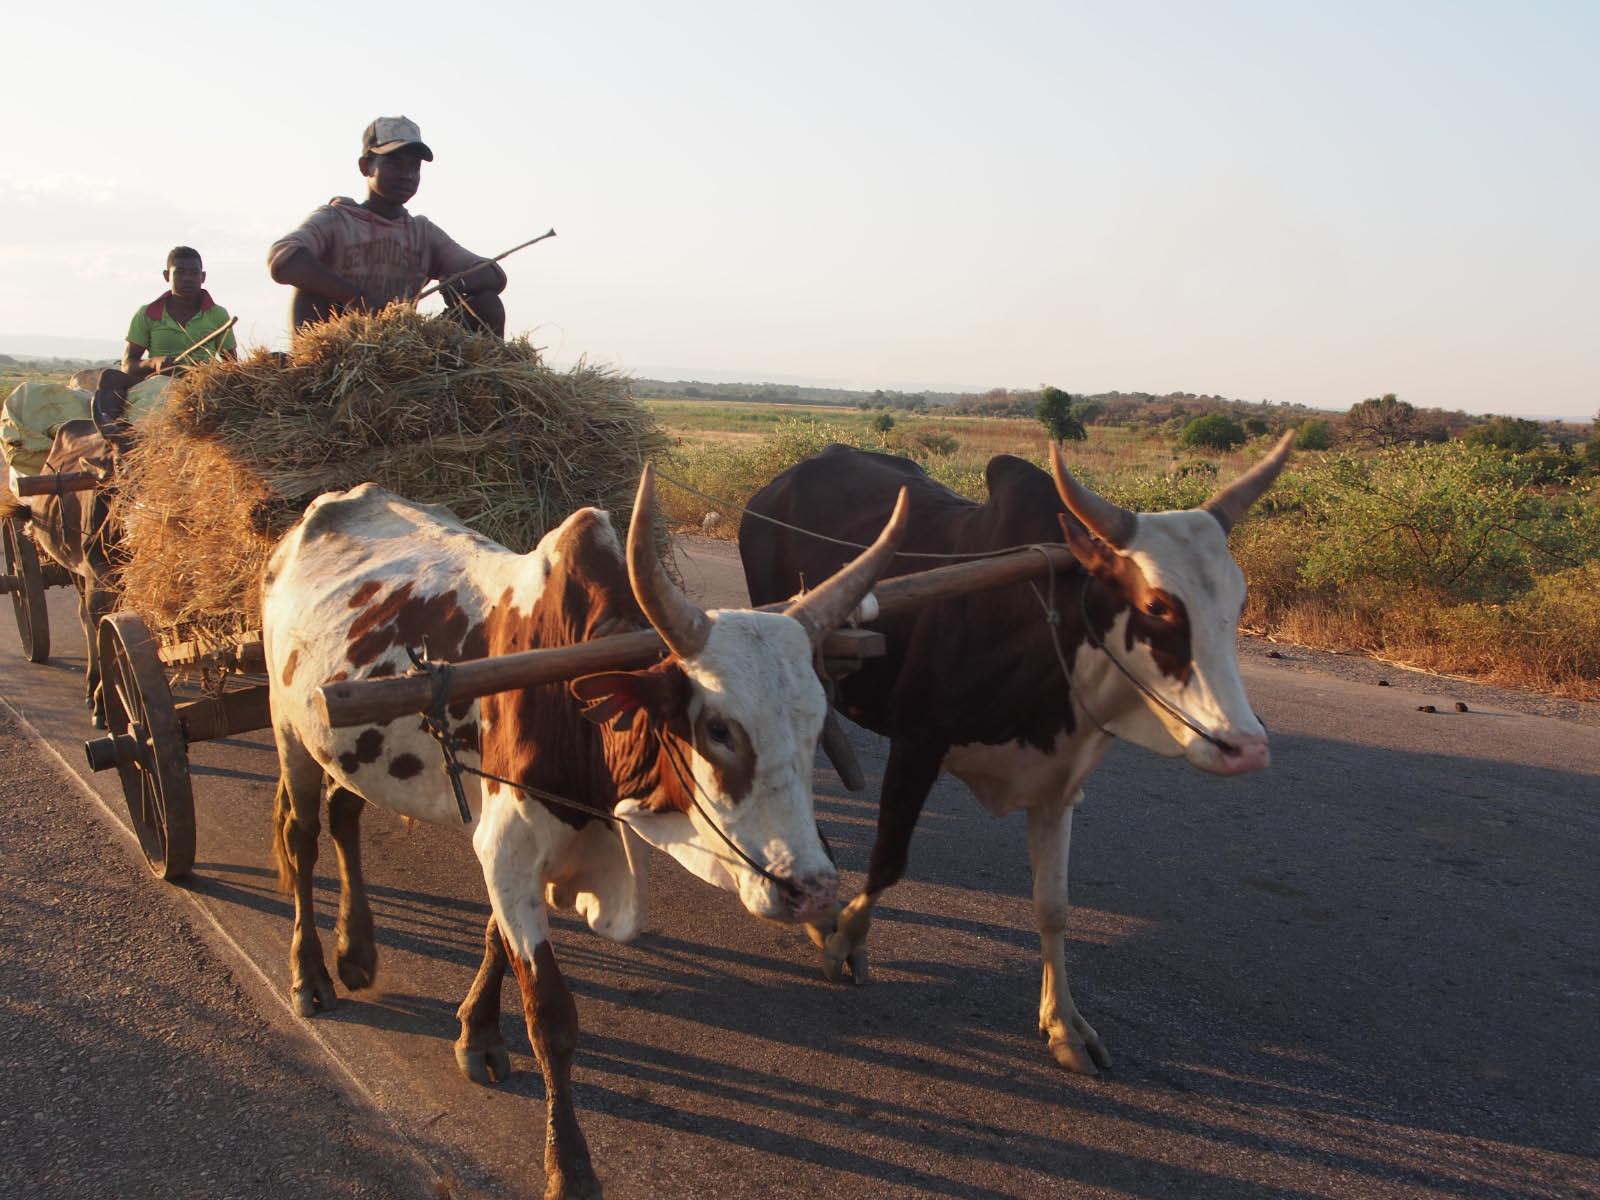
column 1304, row 204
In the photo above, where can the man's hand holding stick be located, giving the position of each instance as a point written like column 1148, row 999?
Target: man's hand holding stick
column 459, row 275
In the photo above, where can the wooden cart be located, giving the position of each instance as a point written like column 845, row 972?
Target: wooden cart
column 28, row 573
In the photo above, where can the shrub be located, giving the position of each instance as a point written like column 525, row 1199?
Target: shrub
column 1453, row 521
column 1506, row 433
column 1315, row 434
column 1214, row 430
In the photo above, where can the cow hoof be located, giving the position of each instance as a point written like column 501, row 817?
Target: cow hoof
column 838, row 957
column 308, row 997
column 98, row 720
column 484, row 1066
column 357, row 969
column 1078, row 1056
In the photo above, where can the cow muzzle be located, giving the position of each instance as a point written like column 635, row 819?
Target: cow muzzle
column 1243, row 754
column 796, row 898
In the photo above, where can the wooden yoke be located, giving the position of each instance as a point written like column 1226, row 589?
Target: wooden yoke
column 377, row 701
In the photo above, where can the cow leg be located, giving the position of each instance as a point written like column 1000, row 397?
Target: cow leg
column 907, row 779
column 481, row 1049
column 1073, row 1041
column 515, row 860
column 357, row 957
column 296, row 824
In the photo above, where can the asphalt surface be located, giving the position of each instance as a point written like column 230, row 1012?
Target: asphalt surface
column 1373, row 971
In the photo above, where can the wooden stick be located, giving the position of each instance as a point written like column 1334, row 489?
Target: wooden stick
column 378, row 701
column 56, row 483
column 215, row 333
column 426, row 292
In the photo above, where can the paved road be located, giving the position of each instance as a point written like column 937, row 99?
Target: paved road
column 1371, row 972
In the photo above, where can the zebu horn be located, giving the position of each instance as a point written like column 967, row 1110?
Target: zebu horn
column 681, row 624
column 825, row 607
column 1233, row 501
column 1109, row 522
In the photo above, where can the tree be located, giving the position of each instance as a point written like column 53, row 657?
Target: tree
column 882, row 423
column 1315, row 434
column 1385, row 421
column 1216, row 431
column 1054, row 411
column 1591, row 450
column 1506, row 433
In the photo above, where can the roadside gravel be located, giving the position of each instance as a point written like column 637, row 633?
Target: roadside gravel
column 135, row 1059
column 1356, row 668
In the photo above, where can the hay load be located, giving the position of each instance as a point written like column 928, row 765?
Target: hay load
column 414, row 403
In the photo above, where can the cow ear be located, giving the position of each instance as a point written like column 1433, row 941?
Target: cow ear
column 609, row 698
column 618, row 697
column 1097, row 558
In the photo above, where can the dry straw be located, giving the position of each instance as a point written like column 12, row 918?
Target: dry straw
column 414, row 403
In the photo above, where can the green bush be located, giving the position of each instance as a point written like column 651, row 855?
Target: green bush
column 1315, row 434
column 1216, row 431
column 1455, row 522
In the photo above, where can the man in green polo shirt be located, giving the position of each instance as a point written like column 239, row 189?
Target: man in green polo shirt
column 176, row 320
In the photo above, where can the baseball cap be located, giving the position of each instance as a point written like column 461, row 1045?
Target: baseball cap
column 388, row 134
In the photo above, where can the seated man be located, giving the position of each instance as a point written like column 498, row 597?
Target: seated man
column 364, row 255
column 176, row 320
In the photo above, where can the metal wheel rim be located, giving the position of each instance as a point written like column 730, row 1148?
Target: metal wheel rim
column 155, row 785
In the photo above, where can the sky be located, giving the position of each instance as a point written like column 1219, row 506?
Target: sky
column 1288, row 201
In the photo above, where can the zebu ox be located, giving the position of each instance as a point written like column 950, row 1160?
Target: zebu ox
column 1018, row 709
column 707, row 755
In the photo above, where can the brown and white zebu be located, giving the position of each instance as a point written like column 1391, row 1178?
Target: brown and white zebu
column 707, row 755
column 1017, row 708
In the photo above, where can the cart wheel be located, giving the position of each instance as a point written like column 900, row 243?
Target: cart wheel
column 27, row 596
column 151, row 753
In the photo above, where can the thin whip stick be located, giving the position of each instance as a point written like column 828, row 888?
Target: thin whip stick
column 426, row 292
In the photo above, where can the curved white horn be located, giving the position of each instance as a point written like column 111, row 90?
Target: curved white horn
column 1109, row 522
column 825, row 607
column 682, row 625
column 1233, row 501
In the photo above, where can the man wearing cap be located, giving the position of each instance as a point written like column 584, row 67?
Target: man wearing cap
column 364, row 255
column 178, row 318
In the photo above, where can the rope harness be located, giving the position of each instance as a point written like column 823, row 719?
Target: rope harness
column 435, row 722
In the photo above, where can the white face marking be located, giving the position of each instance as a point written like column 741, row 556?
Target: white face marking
column 756, row 669
column 1186, row 555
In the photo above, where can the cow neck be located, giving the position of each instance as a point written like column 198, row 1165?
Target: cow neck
column 536, row 739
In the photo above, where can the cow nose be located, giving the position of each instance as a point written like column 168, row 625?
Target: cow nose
column 1250, row 753
column 811, row 896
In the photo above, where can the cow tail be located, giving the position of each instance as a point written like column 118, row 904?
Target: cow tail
column 282, row 814
column 12, row 507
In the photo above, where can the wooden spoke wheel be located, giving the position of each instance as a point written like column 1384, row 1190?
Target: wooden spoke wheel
column 152, row 756
column 26, row 585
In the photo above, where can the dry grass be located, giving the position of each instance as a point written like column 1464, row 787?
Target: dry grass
column 415, row 404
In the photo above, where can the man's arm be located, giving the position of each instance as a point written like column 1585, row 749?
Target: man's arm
column 448, row 257
column 303, row 271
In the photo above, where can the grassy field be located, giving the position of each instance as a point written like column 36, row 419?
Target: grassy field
column 1447, row 557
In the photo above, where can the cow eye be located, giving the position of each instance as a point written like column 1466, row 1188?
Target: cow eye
column 1156, row 608
column 717, row 730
